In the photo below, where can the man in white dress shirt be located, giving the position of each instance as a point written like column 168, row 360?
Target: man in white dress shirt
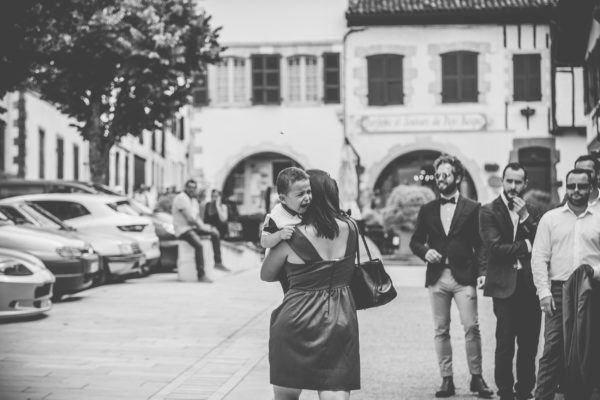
column 566, row 238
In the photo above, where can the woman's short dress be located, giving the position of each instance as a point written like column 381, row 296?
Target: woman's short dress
column 314, row 332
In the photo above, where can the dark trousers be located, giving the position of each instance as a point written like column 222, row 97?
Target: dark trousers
column 552, row 363
column 518, row 319
column 194, row 237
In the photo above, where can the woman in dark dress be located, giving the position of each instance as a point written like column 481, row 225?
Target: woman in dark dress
column 313, row 341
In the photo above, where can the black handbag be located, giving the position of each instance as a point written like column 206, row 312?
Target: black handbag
column 371, row 286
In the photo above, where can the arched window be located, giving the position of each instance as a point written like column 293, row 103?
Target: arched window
column 459, row 77
column 385, row 76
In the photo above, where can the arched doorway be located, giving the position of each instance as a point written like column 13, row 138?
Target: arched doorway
column 251, row 183
column 415, row 168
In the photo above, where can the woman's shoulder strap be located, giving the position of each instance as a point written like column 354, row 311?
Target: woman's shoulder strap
column 300, row 244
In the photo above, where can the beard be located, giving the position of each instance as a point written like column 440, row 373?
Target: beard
column 579, row 200
column 447, row 188
column 512, row 193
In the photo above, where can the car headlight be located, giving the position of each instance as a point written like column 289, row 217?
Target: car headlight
column 169, row 228
column 126, row 248
column 132, row 228
column 14, row 268
column 70, row 252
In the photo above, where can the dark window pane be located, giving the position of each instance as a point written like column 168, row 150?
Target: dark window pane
column 332, row 95
column 395, row 95
column 449, row 90
column 526, row 77
column 469, row 89
column 332, row 60
column 394, row 67
column 272, row 79
column 265, row 79
column 272, row 96
column 376, row 93
column 469, row 64
column 449, row 64
column 272, row 62
column 332, row 77
column 385, row 79
column 257, row 79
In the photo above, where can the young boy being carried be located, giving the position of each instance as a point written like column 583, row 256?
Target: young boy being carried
column 293, row 187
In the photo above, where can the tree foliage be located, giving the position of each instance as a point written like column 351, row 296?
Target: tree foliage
column 118, row 67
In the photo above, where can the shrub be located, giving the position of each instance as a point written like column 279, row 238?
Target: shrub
column 403, row 205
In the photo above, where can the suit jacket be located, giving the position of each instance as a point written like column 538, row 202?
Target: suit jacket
column 502, row 251
column 461, row 246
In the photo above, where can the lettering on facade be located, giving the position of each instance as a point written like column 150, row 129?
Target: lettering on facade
column 423, row 122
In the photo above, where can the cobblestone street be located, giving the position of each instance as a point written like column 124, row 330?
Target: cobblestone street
column 157, row 338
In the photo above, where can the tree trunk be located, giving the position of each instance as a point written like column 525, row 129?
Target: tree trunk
column 100, row 146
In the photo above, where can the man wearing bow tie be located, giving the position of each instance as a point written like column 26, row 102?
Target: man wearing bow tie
column 508, row 226
column 447, row 238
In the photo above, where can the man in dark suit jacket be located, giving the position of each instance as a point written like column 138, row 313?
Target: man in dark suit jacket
column 508, row 227
column 447, row 237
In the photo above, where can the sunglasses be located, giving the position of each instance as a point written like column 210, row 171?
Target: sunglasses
column 442, row 175
column 578, row 186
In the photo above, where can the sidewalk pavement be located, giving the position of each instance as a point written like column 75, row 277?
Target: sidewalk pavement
column 150, row 338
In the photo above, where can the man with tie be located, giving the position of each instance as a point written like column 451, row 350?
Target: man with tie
column 507, row 227
column 447, row 237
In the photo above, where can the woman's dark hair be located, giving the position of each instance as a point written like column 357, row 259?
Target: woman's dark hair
column 325, row 204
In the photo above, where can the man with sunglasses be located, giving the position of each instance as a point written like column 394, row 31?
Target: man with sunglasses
column 507, row 227
column 447, row 238
column 566, row 238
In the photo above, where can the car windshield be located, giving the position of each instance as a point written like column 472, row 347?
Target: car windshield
column 124, row 207
column 14, row 215
column 44, row 218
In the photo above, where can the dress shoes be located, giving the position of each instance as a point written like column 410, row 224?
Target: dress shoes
column 478, row 385
column 221, row 267
column 447, row 388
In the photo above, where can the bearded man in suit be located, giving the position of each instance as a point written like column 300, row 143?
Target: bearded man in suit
column 447, row 237
column 508, row 226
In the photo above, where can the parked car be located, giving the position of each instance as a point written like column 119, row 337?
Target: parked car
column 120, row 257
column 25, row 285
column 386, row 240
column 72, row 261
column 163, row 222
column 96, row 213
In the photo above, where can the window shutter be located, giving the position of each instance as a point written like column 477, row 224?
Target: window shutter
column 469, row 77
column 375, row 71
column 385, row 79
column 459, row 77
column 526, row 77
column 331, row 77
column 265, row 79
column 449, row 78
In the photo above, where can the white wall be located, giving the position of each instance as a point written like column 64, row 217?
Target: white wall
column 422, row 88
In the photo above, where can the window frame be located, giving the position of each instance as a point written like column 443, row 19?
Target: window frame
column 264, row 88
column 527, row 77
column 460, row 77
column 303, row 78
column 385, row 81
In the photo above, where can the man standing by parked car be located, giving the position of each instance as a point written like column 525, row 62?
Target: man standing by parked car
column 189, row 227
column 508, row 226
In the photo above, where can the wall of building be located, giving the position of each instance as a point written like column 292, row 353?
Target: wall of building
column 39, row 115
column 423, row 122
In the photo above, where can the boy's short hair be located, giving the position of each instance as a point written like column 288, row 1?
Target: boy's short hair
column 287, row 177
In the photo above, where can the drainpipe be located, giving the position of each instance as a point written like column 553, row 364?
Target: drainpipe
column 345, row 107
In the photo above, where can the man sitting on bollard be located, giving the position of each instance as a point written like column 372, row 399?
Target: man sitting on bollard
column 189, row 227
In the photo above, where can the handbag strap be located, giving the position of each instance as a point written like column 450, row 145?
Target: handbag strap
column 357, row 243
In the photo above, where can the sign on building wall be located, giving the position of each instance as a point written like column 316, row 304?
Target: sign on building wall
column 423, row 122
